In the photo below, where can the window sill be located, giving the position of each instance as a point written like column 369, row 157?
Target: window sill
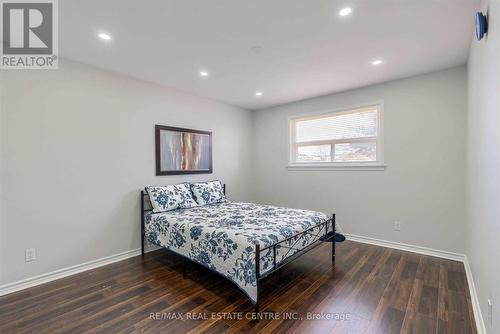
column 338, row 166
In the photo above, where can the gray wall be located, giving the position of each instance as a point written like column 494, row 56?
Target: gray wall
column 423, row 185
column 77, row 146
column 483, row 166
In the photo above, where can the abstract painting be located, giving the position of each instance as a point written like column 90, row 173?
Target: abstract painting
column 182, row 151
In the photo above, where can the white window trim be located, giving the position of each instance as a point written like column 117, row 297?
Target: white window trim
column 369, row 165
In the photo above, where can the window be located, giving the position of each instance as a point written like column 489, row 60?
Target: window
column 337, row 139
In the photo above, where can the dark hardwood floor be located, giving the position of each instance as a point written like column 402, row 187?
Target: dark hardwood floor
column 371, row 290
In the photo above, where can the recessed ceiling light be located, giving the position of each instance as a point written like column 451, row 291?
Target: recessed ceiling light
column 104, row 36
column 377, row 62
column 258, row 93
column 345, row 11
column 203, row 74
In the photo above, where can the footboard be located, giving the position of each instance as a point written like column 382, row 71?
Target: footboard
column 320, row 236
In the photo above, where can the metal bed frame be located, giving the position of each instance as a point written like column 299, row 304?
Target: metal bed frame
column 323, row 237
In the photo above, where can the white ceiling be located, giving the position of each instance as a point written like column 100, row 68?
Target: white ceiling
column 307, row 49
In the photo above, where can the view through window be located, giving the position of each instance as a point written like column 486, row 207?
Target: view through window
column 350, row 136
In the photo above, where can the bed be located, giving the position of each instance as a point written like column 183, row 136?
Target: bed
column 243, row 242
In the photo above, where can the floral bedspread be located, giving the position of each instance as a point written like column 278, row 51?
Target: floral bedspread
column 222, row 236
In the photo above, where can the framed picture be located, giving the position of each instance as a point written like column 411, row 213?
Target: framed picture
column 182, row 151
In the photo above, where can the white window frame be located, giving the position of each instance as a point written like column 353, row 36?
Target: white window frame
column 358, row 165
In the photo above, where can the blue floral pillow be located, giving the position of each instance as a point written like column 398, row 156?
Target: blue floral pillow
column 208, row 192
column 171, row 197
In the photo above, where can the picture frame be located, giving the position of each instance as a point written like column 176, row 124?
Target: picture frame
column 181, row 151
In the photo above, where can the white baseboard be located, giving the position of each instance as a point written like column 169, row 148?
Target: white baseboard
column 476, row 307
column 54, row 275
column 481, row 329
column 407, row 247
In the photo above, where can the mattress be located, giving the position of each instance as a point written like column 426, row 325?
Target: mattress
column 222, row 236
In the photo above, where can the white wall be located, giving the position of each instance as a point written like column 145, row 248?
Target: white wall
column 423, row 185
column 483, row 166
column 78, row 145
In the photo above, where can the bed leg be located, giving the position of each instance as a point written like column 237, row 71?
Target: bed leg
column 142, row 223
column 184, row 268
column 333, row 242
column 333, row 253
column 142, row 243
column 257, row 279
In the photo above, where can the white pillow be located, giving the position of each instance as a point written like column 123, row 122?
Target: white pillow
column 171, row 197
column 208, row 192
